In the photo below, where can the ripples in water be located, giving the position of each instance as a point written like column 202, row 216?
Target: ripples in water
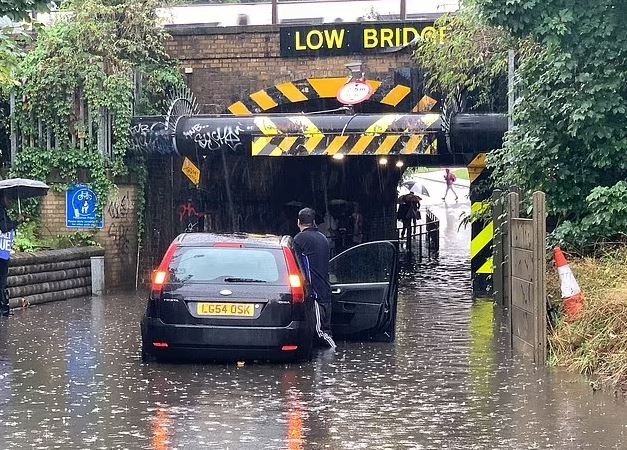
column 71, row 377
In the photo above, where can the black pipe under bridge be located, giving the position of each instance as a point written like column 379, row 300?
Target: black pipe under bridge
column 442, row 140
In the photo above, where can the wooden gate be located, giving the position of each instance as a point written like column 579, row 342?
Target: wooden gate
column 520, row 268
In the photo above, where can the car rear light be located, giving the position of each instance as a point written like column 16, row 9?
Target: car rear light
column 228, row 245
column 295, row 278
column 160, row 277
column 289, row 348
column 160, row 344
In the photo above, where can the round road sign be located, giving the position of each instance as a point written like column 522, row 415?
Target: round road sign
column 354, row 92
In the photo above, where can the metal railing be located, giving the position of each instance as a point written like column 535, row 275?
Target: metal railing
column 419, row 233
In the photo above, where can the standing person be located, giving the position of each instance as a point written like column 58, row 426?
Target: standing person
column 312, row 248
column 402, row 215
column 357, row 221
column 450, row 178
column 7, row 230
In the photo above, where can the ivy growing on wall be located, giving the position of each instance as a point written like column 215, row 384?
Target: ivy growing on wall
column 83, row 66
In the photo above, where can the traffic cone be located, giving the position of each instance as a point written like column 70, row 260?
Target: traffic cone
column 571, row 293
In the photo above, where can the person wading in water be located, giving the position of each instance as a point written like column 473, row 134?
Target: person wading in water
column 312, row 248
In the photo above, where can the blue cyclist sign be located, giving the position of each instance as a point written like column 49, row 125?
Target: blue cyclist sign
column 81, row 205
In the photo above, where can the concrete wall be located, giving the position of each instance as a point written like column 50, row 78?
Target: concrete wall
column 229, row 63
column 118, row 237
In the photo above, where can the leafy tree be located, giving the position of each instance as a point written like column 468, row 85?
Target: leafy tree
column 18, row 9
column 470, row 64
column 570, row 133
column 92, row 52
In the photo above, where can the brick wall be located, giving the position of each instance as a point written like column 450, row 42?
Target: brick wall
column 118, row 237
column 231, row 62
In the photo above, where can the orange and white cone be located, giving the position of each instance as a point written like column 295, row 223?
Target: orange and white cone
column 571, row 293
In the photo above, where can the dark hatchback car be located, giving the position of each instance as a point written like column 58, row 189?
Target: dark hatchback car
column 243, row 296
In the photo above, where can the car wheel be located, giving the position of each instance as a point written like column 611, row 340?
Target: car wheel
column 146, row 355
column 305, row 350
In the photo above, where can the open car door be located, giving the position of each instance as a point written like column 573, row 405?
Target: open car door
column 364, row 287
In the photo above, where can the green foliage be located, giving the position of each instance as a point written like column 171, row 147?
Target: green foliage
column 607, row 220
column 95, row 54
column 570, row 132
column 19, row 9
column 470, row 61
column 27, row 237
column 67, row 168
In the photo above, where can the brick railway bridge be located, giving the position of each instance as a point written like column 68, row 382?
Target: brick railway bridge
column 266, row 131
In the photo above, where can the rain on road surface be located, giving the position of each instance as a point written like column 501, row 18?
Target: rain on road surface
column 71, row 377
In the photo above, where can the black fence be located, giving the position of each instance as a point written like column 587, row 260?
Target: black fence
column 421, row 237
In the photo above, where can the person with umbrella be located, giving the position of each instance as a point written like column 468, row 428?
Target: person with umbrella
column 7, row 235
column 19, row 188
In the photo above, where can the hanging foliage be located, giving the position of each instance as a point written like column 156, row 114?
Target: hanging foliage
column 78, row 91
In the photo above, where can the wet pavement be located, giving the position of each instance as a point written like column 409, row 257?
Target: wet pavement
column 71, row 377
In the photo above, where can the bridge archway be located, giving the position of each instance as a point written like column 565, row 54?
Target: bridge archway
column 286, row 135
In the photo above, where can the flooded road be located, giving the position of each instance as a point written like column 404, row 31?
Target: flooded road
column 71, row 377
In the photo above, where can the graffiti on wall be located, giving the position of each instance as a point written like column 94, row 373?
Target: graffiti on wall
column 119, row 230
column 153, row 138
column 213, row 139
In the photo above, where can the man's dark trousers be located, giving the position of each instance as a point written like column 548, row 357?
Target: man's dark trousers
column 4, row 298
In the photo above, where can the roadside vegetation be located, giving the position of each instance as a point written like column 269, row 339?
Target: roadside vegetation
column 28, row 239
column 596, row 344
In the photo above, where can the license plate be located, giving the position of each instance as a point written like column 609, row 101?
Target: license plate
column 226, row 309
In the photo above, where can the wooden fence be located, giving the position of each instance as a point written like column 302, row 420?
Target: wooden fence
column 520, row 269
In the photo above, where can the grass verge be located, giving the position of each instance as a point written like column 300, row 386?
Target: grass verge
column 462, row 174
column 596, row 344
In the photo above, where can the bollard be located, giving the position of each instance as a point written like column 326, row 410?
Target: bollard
column 97, row 275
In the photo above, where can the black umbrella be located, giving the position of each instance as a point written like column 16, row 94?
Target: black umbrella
column 23, row 188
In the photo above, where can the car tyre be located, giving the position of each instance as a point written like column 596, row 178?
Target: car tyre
column 147, row 357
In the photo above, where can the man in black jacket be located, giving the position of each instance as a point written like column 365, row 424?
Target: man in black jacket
column 312, row 248
column 7, row 234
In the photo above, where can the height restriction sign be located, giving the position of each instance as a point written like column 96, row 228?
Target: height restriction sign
column 191, row 171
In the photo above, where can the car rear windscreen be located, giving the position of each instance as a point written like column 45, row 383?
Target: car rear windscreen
column 219, row 265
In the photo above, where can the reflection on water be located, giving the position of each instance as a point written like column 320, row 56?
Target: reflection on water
column 71, row 377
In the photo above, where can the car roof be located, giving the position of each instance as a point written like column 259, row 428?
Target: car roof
column 247, row 239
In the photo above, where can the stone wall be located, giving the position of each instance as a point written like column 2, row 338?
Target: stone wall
column 229, row 63
column 118, row 237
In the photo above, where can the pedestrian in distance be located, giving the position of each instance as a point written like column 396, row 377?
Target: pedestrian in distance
column 7, row 235
column 357, row 225
column 450, row 178
column 408, row 212
column 312, row 249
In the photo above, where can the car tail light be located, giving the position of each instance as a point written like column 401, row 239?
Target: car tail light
column 289, row 348
column 161, row 276
column 160, row 344
column 297, row 284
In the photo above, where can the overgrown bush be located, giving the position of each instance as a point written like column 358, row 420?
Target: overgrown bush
column 28, row 239
column 606, row 222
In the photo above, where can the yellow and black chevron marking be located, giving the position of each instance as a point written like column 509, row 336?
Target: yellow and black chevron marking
column 476, row 167
column 481, row 243
column 425, row 104
column 376, row 139
column 350, row 145
column 386, row 93
column 482, row 231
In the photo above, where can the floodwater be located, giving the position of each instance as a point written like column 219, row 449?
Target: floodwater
column 71, row 377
